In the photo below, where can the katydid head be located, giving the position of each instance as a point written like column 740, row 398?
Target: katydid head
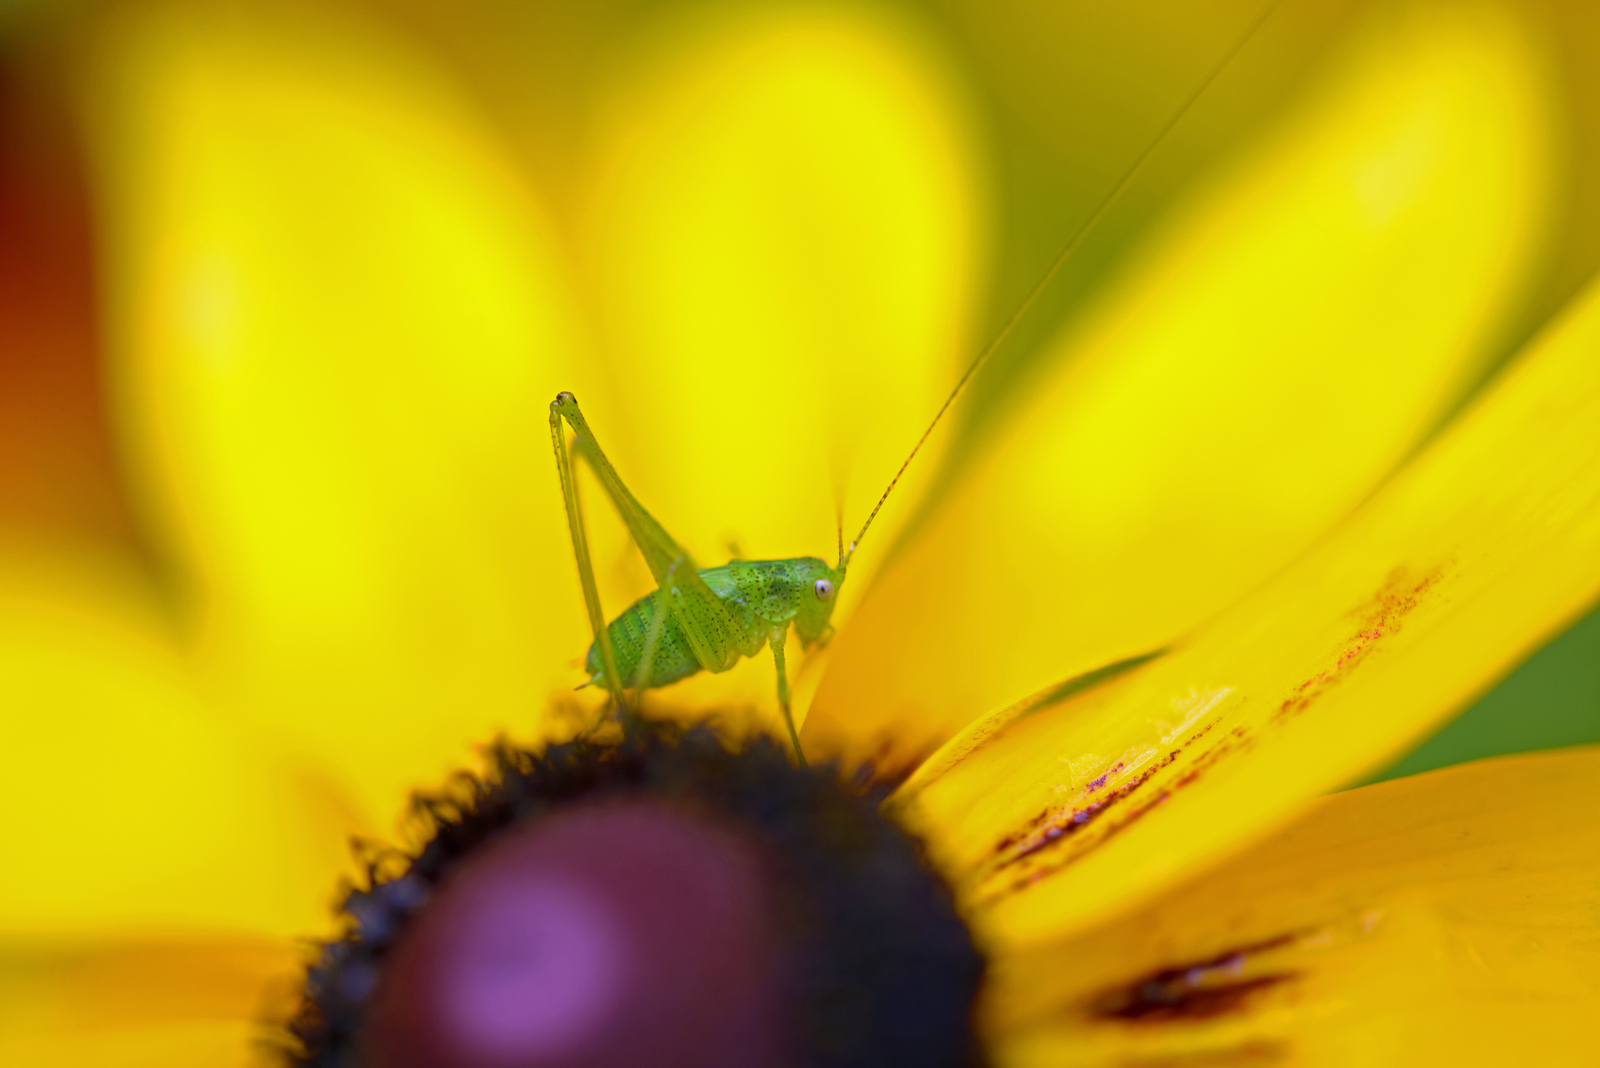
column 813, row 621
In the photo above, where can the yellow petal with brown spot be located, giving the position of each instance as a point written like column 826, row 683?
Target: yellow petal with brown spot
column 1448, row 918
column 1472, row 556
column 783, row 248
column 1285, row 342
column 336, row 325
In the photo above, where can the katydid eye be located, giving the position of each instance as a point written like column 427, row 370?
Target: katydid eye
column 824, row 589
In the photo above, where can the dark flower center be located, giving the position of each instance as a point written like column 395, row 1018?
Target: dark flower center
column 616, row 933
column 656, row 900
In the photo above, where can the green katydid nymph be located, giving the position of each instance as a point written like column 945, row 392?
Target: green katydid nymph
column 717, row 615
column 708, row 619
column 697, row 619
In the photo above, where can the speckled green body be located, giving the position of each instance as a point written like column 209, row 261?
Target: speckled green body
column 697, row 619
column 761, row 596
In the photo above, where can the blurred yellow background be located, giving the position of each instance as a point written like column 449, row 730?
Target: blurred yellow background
column 287, row 287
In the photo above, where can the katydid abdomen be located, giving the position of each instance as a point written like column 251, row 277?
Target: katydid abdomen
column 761, row 597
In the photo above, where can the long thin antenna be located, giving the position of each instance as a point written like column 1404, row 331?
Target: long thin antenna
column 1061, row 259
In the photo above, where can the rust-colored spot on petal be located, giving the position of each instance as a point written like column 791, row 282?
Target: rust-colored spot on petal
column 1379, row 618
column 1201, row 990
column 1054, row 827
column 1120, row 796
column 1096, row 783
column 1158, row 1003
column 1064, row 824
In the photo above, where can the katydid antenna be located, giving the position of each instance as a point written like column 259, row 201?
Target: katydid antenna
column 846, row 552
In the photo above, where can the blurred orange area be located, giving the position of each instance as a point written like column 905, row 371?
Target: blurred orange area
column 58, row 475
column 159, row 1000
column 131, row 982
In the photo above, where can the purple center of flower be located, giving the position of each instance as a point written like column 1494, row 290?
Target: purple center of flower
column 618, row 933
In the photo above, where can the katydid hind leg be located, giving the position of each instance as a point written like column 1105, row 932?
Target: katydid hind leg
column 779, row 661
column 716, row 638
column 580, row 552
column 658, row 547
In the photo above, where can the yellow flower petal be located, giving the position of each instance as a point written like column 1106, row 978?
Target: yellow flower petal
column 207, row 1044
column 337, row 329
column 124, row 802
column 1470, row 557
column 1279, row 350
column 1443, row 919
column 172, row 1003
column 784, row 247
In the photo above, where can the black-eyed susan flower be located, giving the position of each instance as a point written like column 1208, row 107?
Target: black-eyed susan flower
column 1213, row 552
